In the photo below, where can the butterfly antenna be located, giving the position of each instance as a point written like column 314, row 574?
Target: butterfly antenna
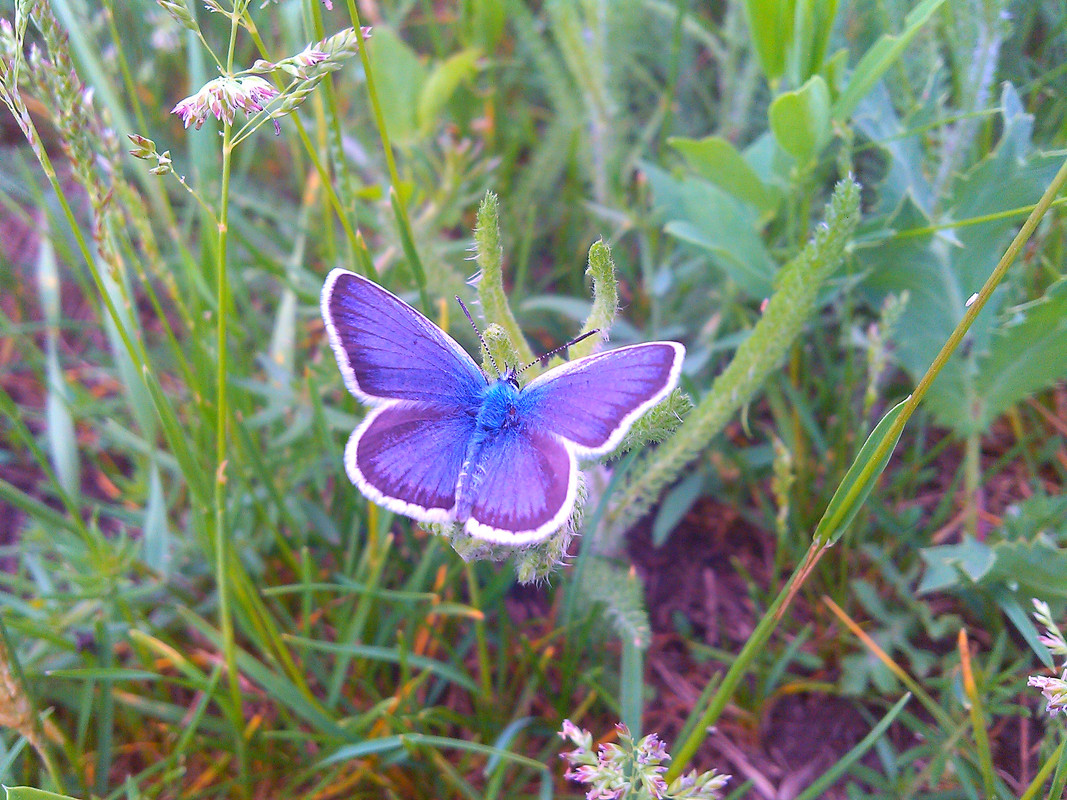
column 543, row 360
column 478, row 333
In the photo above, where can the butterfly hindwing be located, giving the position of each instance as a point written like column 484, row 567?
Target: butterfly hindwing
column 389, row 351
column 592, row 401
column 524, row 487
column 408, row 456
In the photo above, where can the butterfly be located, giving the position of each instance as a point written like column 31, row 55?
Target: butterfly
column 446, row 443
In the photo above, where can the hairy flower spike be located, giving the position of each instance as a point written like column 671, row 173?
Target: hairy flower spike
column 222, row 97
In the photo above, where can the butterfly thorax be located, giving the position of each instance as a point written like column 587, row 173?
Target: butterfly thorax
column 498, row 413
column 499, row 407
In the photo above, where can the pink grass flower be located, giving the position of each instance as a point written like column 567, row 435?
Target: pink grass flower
column 222, row 97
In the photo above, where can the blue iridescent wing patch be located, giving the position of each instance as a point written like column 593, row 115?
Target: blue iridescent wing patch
column 444, row 443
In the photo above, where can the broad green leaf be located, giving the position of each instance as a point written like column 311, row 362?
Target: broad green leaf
column 800, row 120
column 715, row 159
column 906, row 179
column 442, row 84
column 882, row 55
column 851, row 494
column 1030, row 556
column 946, row 564
column 941, row 269
column 1033, row 568
column 399, row 76
column 1027, row 355
column 770, row 24
column 700, row 213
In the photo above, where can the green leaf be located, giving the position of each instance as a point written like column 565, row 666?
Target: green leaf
column 881, row 56
column 703, row 215
column 399, row 75
column 813, row 24
column 851, row 494
column 391, row 655
column 770, row 25
column 442, row 84
column 941, row 269
column 62, row 440
column 675, row 505
column 104, row 674
column 716, row 160
column 874, row 737
column 156, row 536
column 1029, row 355
column 1030, row 556
column 946, row 564
column 482, row 23
column 1033, row 568
column 1023, row 622
column 800, row 120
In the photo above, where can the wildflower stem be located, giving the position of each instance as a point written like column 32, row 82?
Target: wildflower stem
column 400, row 203
column 324, row 174
column 485, row 671
column 954, row 339
column 221, row 417
column 770, row 619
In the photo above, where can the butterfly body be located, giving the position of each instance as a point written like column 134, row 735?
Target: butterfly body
column 445, row 443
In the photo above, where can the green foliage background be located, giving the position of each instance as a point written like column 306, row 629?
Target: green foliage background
column 806, row 194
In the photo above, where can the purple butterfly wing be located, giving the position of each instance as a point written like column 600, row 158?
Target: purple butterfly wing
column 407, row 457
column 592, row 402
column 408, row 452
column 389, row 351
column 523, row 489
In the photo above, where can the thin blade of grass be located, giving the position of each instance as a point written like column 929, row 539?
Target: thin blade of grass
column 831, row 775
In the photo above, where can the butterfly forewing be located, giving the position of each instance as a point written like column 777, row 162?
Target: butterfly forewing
column 388, row 351
column 593, row 401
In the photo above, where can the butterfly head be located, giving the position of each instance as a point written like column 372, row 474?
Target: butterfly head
column 500, row 406
column 511, row 377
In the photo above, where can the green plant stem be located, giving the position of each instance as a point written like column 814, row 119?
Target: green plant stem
column 631, row 680
column 972, row 478
column 698, row 730
column 485, row 671
column 954, row 339
column 770, row 619
column 401, row 205
column 222, row 291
